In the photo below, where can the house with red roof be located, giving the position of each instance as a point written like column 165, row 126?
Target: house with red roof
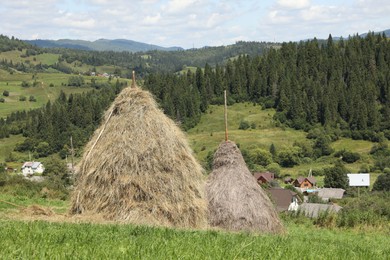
column 264, row 177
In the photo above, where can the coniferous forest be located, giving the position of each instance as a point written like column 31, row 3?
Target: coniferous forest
column 340, row 85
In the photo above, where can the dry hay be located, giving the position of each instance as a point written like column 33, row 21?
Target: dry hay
column 139, row 168
column 36, row 210
column 235, row 201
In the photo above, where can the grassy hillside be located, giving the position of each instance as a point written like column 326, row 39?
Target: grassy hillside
column 48, row 86
column 207, row 135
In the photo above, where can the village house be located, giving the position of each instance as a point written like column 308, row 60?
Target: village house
column 264, row 177
column 305, row 182
column 330, row 193
column 288, row 180
column 284, row 199
column 30, row 168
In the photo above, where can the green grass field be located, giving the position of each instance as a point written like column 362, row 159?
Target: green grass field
column 48, row 88
column 8, row 144
column 45, row 240
column 210, row 132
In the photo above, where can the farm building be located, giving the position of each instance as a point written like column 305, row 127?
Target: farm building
column 284, row 199
column 30, row 168
column 235, row 200
column 313, row 210
column 305, row 182
column 330, row 193
column 264, row 177
column 138, row 167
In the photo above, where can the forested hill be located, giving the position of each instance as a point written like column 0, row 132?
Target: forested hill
column 146, row 62
column 161, row 61
column 101, row 45
column 341, row 85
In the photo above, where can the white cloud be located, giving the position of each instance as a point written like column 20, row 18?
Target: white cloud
column 296, row 4
column 187, row 22
column 152, row 20
column 176, row 6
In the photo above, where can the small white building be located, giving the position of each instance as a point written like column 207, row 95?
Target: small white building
column 29, row 168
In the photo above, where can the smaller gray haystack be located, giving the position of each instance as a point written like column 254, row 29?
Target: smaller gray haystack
column 235, row 201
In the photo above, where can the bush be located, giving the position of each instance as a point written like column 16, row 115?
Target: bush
column 350, row 157
column 347, row 156
column 288, row 158
column 25, row 84
column 76, row 81
column 305, row 148
column 244, row 125
column 382, row 183
column 5, row 93
column 370, row 209
column 2, row 100
column 32, row 99
column 260, row 156
column 336, row 177
column 22, row 98
column 321, row 146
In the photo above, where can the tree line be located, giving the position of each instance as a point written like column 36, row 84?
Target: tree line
column 340, row 85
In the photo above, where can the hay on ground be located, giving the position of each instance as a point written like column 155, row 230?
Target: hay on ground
column 139, row 168
column 36, row 210
column 235, row 201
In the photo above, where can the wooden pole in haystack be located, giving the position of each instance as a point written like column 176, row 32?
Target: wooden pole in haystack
column 226, row 128
column 72, row 154
column 133, row 80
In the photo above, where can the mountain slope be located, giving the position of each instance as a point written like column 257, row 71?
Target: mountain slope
column 101, row 45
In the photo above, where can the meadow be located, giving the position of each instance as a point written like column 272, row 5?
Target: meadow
column 210, row 132
column 51, row 240
column 48, row 87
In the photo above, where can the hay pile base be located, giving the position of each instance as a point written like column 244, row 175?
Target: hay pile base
column 139, row 168
column 236, row 201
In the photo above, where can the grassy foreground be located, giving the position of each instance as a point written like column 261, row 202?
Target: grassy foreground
column 45, row 240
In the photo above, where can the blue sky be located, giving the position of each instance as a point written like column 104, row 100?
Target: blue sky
column 191, row 23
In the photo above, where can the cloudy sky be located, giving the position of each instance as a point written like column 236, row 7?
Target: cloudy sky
column 191, row 23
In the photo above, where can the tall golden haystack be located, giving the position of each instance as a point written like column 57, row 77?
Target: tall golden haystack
column 235, row 201
column 139, row 168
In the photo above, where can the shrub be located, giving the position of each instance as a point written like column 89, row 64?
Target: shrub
column 350, row 157
column 76, row 81
column 260, row 156
column 25, row 84
column 244, row 125
column 32, row 99
column 288, row 158
column 336, row 177
column 5, row 93
column 2, row 100
column 347, row 156
column 382, row 183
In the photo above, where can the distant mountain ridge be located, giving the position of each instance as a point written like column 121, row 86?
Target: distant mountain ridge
column 101, row 45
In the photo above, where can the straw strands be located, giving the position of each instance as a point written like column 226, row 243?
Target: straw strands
column 139, row 168
column 235, row 201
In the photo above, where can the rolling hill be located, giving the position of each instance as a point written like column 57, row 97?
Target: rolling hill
column 101, row 45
